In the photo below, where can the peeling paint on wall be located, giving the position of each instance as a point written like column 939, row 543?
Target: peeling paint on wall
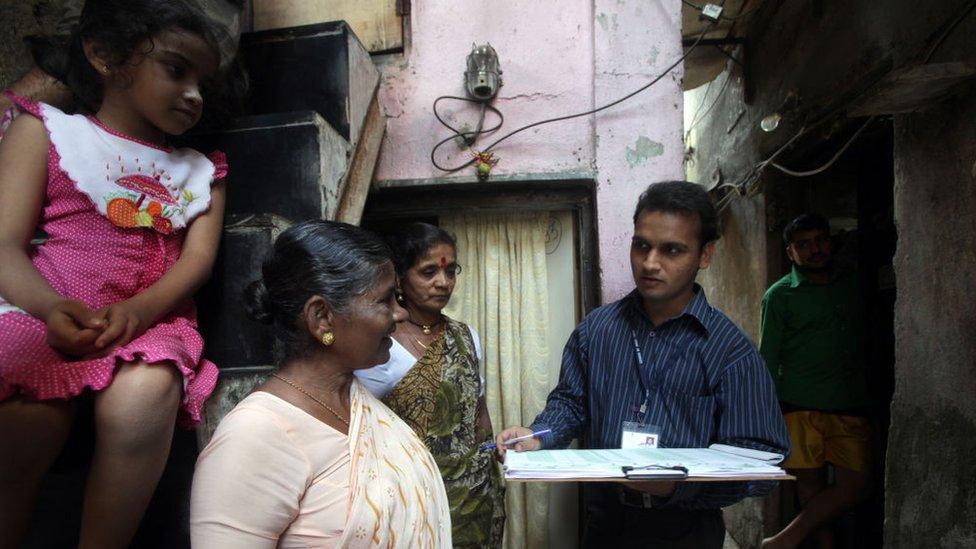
column 644, row 149
column 602, row 20
column 652, row 56
column 607, row 23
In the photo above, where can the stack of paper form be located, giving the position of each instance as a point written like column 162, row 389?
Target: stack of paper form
column 593, row 464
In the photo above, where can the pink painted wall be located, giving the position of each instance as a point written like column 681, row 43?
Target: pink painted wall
column 639, row 141
column 558, row 57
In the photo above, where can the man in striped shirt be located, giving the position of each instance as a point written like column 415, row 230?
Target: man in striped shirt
column 662, row 356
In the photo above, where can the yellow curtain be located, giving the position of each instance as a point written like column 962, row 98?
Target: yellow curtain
column 502, row 293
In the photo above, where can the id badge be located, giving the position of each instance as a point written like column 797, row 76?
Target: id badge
column 639, row 435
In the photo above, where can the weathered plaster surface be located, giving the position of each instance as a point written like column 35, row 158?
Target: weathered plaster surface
column 639, row 141
column 825, row 52
column 545, row 49
column 735, row 280
column 931, row 476
column 20, row 18
column 558, row 58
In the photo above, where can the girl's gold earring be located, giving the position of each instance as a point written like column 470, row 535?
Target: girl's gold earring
column 328, row 338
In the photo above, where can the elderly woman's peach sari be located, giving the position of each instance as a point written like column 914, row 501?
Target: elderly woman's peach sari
column 397, row 497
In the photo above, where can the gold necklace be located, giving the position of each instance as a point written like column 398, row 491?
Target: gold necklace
column 427, row 328
column 317, row 401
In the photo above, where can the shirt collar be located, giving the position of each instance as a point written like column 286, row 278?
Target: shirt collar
column 796, row 277
column 697, row 309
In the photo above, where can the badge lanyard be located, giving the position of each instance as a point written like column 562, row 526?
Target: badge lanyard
column 637, row 434
column 645, row 385
column 653, row 383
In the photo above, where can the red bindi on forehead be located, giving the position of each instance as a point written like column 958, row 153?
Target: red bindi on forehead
column 443, row 262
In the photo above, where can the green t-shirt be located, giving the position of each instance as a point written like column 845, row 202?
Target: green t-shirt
column 812, row 338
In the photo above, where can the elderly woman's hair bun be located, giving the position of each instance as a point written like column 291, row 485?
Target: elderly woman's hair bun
column 257, row 305
column 336, row 261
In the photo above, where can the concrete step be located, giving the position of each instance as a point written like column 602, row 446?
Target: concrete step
column 321, row 67
column 289, row 164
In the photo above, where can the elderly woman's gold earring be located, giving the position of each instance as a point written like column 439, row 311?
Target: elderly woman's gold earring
column 328, row 338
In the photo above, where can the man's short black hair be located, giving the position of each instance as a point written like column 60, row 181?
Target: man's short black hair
column 681, row 197
column 805, row 222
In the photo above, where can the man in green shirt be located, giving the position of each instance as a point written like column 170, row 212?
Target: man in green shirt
column 812, row 340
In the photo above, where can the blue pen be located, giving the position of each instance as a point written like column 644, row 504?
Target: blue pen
column 492, row 445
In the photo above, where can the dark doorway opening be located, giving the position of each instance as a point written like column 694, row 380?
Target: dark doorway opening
column 857, row 196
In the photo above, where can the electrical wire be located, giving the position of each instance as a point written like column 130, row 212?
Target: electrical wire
column 725, row 17
column 470, row 137
column 744, row 185
column 829, row 162
column 727, row 54
column 680, row 60
column 695, row 119
column 948, row 31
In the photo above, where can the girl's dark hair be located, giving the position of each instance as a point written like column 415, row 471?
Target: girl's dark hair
column 120, row 27
column 410, row 242
column 685, row 198
column 334, row 260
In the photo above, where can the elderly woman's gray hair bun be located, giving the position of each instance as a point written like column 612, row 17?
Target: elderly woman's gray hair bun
column 256, row 302
column 336, row 261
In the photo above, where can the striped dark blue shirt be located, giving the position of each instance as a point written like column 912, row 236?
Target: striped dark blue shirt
column 701, row 379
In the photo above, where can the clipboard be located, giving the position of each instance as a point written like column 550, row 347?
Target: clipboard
column 638, row 465
column 655, row 472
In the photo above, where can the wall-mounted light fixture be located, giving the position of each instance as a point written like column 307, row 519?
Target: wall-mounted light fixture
column 484, row 76
column 770, row 122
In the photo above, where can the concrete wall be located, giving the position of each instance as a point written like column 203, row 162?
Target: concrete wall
column 19, row 18
column 735, row 282
column 931, row 476
column 826, row 52
column 559, row 57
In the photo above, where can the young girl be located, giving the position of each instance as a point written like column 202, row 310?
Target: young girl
column 103, row 306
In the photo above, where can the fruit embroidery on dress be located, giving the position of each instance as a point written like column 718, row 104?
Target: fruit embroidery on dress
column 143, row 200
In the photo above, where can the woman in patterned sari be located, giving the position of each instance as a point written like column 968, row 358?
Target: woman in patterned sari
column 433, row 382
column 311, row 458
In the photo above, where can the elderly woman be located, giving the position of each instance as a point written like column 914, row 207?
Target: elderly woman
column 432, row 381
column 310, row 458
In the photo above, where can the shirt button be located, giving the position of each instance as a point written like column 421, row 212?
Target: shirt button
column 653, row 333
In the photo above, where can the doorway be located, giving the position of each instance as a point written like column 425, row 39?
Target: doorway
column 497, row 228
column 857, row 196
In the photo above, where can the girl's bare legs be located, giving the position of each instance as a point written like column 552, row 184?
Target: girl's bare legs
column 33, row 434
column 134, row 420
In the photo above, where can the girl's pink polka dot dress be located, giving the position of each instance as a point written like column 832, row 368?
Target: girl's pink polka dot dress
column 115, row 213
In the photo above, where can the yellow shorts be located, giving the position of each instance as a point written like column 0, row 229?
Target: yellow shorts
column 820, row 437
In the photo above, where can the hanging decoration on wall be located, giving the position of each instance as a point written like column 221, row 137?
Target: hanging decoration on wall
column 483, row 163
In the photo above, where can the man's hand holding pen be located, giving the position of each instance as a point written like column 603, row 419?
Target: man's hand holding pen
column 529, row 443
